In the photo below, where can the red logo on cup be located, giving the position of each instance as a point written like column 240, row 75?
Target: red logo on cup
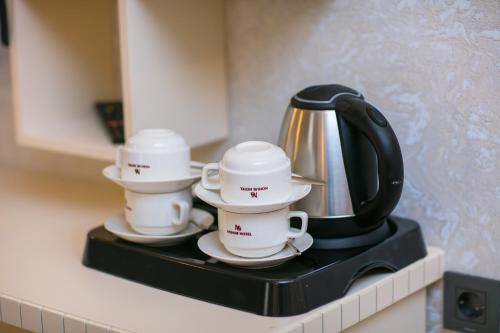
column 237, row 231
column 253, row 194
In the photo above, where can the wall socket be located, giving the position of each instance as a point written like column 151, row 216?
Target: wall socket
column 471, row 303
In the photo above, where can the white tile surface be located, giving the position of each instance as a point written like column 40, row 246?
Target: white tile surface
column 73, row 324
column 52, row 320
column 296, row 329
column 384, row 294
column 332, row 319
column 432, row 271
column 115, row 330
column 416, row 277
column 123, row 295
column 350, row 311
column 314, row 324
column 93, row 327
column 400, row 285
column 11, row 310
column 367, row 303
column 31, row 315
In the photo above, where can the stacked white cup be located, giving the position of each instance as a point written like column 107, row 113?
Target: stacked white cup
column 254, row 173
column 155, row 155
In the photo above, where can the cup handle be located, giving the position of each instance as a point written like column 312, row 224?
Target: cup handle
column 303, row 228
column 118, row 157
column 203, row 222
column 183, row 217
column 205, row 181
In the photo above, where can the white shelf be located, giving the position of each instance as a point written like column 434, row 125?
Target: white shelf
column 66, row 55
column 86, row 137
column 173, row 63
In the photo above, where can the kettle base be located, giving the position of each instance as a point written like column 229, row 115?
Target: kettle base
column 366, row 239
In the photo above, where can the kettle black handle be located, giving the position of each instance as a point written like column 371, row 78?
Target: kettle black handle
column 371, row 123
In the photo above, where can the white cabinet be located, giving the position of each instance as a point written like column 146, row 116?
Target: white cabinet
column 174, row 68
column 164, row 59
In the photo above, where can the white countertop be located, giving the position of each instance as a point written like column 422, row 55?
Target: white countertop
column 43, row 225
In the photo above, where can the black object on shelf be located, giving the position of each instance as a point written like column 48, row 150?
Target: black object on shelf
column 4, row 23
column 308, row 281
column 111, row 113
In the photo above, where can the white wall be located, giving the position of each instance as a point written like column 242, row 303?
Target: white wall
column 432, row 67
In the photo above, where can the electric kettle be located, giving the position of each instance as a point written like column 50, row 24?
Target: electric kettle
column 331, row 134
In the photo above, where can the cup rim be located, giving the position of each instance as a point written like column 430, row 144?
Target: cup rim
column 156, row 139
column 284, row 209
column 186, row 190
column 256, row 172
column 252, row 156
column 165, row 151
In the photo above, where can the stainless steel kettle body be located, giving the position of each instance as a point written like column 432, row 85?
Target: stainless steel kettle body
column 330, row 133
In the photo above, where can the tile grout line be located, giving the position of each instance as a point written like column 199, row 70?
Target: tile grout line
column 341, row 320
column 43, row 307
column 393, row 287
column 21, row 312
column 359, row 310
column 322, row 325
column 41, row 315
column 424, row 274
column 408, row 282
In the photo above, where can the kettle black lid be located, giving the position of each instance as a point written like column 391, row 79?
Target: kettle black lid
column 322, row 97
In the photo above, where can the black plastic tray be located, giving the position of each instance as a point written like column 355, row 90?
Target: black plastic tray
column 308, row 281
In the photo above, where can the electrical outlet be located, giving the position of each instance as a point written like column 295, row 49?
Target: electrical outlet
column 471, row 303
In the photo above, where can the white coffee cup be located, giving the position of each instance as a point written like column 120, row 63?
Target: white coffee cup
column 158, row 214
column 258, row 235
column 154, row 155
column 253, row 172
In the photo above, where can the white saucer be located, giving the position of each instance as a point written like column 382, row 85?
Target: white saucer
column 200, row 220
column 210, row 245
column 112, row 172
column 299, row 190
